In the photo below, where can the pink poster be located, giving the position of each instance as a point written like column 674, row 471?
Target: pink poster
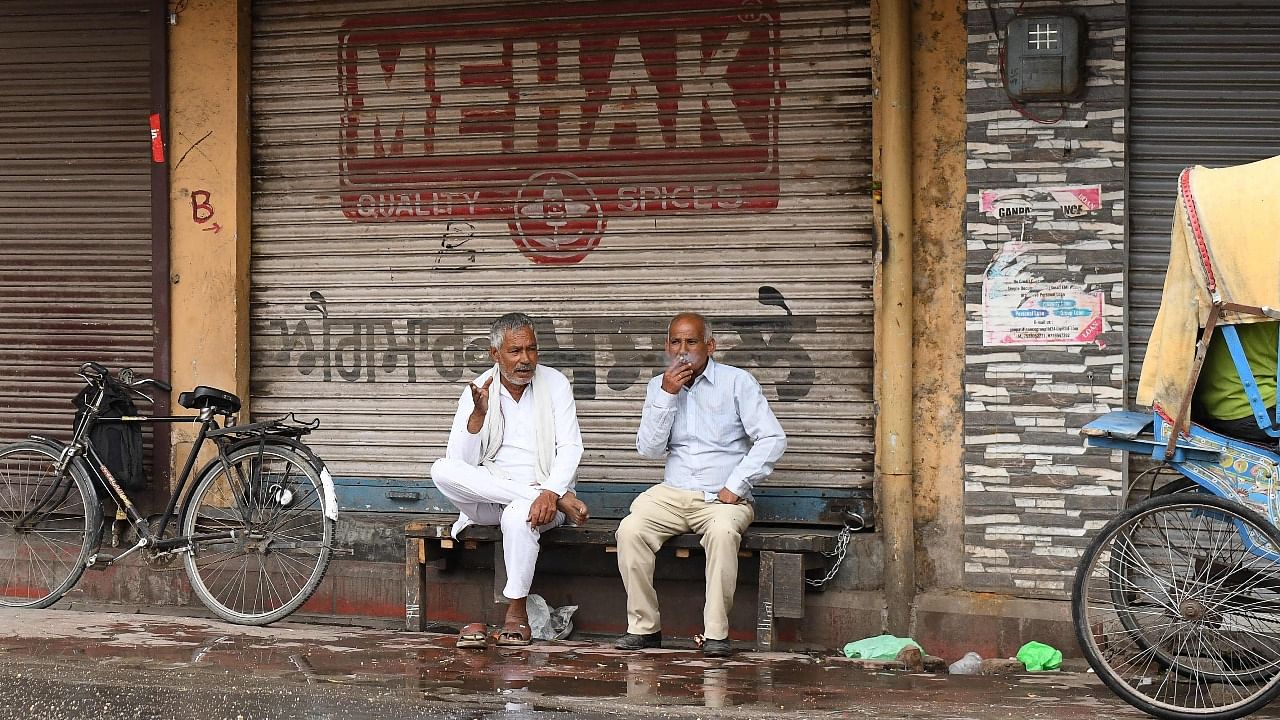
column 1067, row 201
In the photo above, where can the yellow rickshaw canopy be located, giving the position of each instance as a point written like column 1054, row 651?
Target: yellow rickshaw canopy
column 1225, row 245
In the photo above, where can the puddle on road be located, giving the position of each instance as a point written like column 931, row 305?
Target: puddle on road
column 539, row 676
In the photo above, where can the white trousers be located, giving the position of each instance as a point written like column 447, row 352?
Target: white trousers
column 485, row 498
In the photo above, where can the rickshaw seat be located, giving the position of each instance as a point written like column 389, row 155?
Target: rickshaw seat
column 1133, row 431
column 1119, row 424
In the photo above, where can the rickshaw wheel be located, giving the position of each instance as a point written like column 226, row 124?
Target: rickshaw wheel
column 1127, row 602
column 1130, row 605
column 1177, row 607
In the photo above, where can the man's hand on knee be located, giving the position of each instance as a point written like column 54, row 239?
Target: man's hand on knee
column 543, row 509
column 574, row 509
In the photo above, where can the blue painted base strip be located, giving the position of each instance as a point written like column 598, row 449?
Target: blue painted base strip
column 825, row 506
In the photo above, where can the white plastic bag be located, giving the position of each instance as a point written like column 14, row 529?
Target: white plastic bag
column 549, row 623
column 970, row 664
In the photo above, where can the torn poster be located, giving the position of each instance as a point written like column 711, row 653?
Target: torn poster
column 1021, row 309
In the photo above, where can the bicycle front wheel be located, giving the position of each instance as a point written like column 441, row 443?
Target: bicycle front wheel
column 1177, row 607
column 48, row 526
column 261, row 540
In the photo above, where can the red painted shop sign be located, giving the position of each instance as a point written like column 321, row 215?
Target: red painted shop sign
column 558, row 117
column 157, row 139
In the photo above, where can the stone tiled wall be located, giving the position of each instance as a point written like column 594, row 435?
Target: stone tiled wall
column 1032, row 490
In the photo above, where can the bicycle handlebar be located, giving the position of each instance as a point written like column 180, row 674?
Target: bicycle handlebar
column 162, row 386
column 99, row 370
column 96, row 373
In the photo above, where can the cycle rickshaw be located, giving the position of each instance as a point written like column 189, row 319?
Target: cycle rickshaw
column 1176, row 602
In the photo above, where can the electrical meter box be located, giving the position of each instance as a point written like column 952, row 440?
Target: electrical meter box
column 1044, row 57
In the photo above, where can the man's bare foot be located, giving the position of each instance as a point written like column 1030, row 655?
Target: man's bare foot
column 515, row 626
column 517, row 611
column 573, row 508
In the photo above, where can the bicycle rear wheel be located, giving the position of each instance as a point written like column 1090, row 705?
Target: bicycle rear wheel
column 48, row 526
column 1177, row 607
column 261, row 538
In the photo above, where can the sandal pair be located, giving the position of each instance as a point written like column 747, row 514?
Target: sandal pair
column 512, row 634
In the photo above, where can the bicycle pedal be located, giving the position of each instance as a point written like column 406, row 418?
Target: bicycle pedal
column 99, row 562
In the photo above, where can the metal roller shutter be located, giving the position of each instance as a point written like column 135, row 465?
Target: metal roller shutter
column 1204, row 90
column 598, row 165
column 76, row 281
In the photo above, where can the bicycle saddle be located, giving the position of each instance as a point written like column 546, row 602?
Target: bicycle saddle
column 204, row 396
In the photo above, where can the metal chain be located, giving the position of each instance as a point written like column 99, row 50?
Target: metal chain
column 842, row 546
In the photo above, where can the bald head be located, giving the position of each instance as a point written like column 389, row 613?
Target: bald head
column 690, row 344
column 704, row 327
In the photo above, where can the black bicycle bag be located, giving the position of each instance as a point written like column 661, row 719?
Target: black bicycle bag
column 119, row 445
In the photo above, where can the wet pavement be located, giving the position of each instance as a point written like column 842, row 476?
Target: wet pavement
column 73, row 664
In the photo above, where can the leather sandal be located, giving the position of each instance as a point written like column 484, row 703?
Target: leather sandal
column 475, row 635
column 515, row 634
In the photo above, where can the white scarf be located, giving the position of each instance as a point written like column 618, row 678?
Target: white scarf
column 544, row 428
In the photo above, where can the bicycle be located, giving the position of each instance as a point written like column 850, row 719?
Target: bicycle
column 254, row 526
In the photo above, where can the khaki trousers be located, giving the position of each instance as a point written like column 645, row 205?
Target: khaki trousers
column 656, row 515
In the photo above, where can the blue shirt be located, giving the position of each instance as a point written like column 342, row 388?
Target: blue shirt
column 717, row 433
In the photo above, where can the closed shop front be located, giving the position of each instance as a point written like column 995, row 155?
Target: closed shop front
column 83, row 275
column 1205, row 90
column 421, row 170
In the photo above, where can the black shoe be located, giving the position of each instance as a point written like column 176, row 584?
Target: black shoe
column 716, row 648
column 632, row 641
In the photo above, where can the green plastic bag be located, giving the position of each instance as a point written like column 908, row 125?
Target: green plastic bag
column 880, row 647
column 1039, row 657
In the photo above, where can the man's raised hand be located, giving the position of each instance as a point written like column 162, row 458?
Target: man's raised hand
column 479, row 405
column 678, row 373
column 480, row 397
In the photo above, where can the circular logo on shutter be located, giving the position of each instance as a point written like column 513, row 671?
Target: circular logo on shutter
column 558, row 219
column 752, row 11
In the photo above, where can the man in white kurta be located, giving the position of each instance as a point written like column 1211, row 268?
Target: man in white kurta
column 511, row 460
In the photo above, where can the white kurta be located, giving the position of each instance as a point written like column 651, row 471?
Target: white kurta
column 503, row 492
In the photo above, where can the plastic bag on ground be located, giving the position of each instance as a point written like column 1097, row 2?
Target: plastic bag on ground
column 1038, row 657
column 970, row 664
column 548, row 623
column 880, row 647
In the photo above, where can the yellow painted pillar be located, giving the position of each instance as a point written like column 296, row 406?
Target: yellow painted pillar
column 209, row 201
column 939, row 48
column 895, row 428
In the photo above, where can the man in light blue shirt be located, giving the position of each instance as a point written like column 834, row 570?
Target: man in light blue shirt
column 714, row 427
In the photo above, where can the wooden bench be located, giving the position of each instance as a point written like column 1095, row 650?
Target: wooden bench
column 786, row 548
